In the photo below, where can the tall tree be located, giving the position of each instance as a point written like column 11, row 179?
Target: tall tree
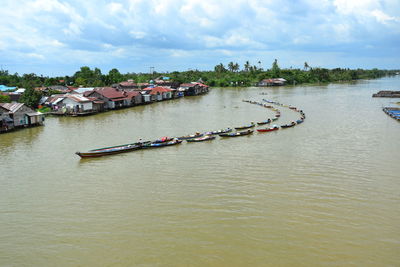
column 220, row 68
column 231, row 66
column 247, row 66
column 275, row 69
column 236, row 67
column 115, row 76
column 306, row 66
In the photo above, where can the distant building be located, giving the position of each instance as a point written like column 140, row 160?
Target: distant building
column 193, row 88
column 272, row 82
column 112, row 97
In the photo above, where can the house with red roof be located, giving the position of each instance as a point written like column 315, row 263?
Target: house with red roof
column 133, row 98
column 81, row 105
column 112, row 97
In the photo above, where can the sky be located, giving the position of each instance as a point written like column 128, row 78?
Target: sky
column 56, row 37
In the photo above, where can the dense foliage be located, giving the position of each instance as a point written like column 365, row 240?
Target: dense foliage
column 5, row 98
column 230, row 75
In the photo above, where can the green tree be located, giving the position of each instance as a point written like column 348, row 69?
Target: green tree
column 115, row 76
column 220, row 68
column 5, row 99
column 275, row 69
column 247, row 66
column 31, row 97
column 231, row 66
column 80, row 81
column 236, row 67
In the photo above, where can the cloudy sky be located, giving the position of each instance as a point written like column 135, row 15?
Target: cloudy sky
column 57, row 37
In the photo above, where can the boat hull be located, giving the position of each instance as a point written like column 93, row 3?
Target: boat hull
column 108, row 151
column 190, row 136
column 245, row 127
column 201, row 139
column 267, row 130
column 237, row 134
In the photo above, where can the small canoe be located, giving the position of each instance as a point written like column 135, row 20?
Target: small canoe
column 274, row 119
column 112, row 150
column 268, row 129
column 237, row 133
column 299, row 121
column 245, row 127
column 201, row 139
column 170, row 143
column 288, row 125
column 277, row 115
column 196, row 135
column 227, row 130
column 264, row 122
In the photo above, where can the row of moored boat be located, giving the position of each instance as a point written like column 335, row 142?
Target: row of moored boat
column 200, row 137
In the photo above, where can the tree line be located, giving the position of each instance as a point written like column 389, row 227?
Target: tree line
column 222, row 76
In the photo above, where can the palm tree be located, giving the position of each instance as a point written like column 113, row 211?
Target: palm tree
column 306, row 66
column 236, row 67
column 220, row 68
column 247, row 66
column 231, row 66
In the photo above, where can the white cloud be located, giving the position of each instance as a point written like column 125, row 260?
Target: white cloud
column 384, row 18
column 88, row 30
column 34, row 55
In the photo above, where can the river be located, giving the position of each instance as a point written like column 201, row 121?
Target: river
column 324, row 193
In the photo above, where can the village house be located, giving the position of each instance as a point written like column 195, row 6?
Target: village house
column 112, row 97
column 22, row 115
column 194, row 88
column 160, row 93
column 6, row 123
column 75, row 103
column 133, row 98
column 127, row 85
column 272, row 82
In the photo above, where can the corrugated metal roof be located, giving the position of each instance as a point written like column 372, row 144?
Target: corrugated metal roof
column 12, row 107
column 78, row 98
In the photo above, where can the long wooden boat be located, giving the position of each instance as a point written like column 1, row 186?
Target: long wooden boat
column 227, row 130
column 201, row 139
column 288, row 125
column 237, row 134
column 170, row 143
column 163, row 139
column 268, row 129
column 245, row 127
column 112, row 150
column 196, row 135
column 264, row 122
